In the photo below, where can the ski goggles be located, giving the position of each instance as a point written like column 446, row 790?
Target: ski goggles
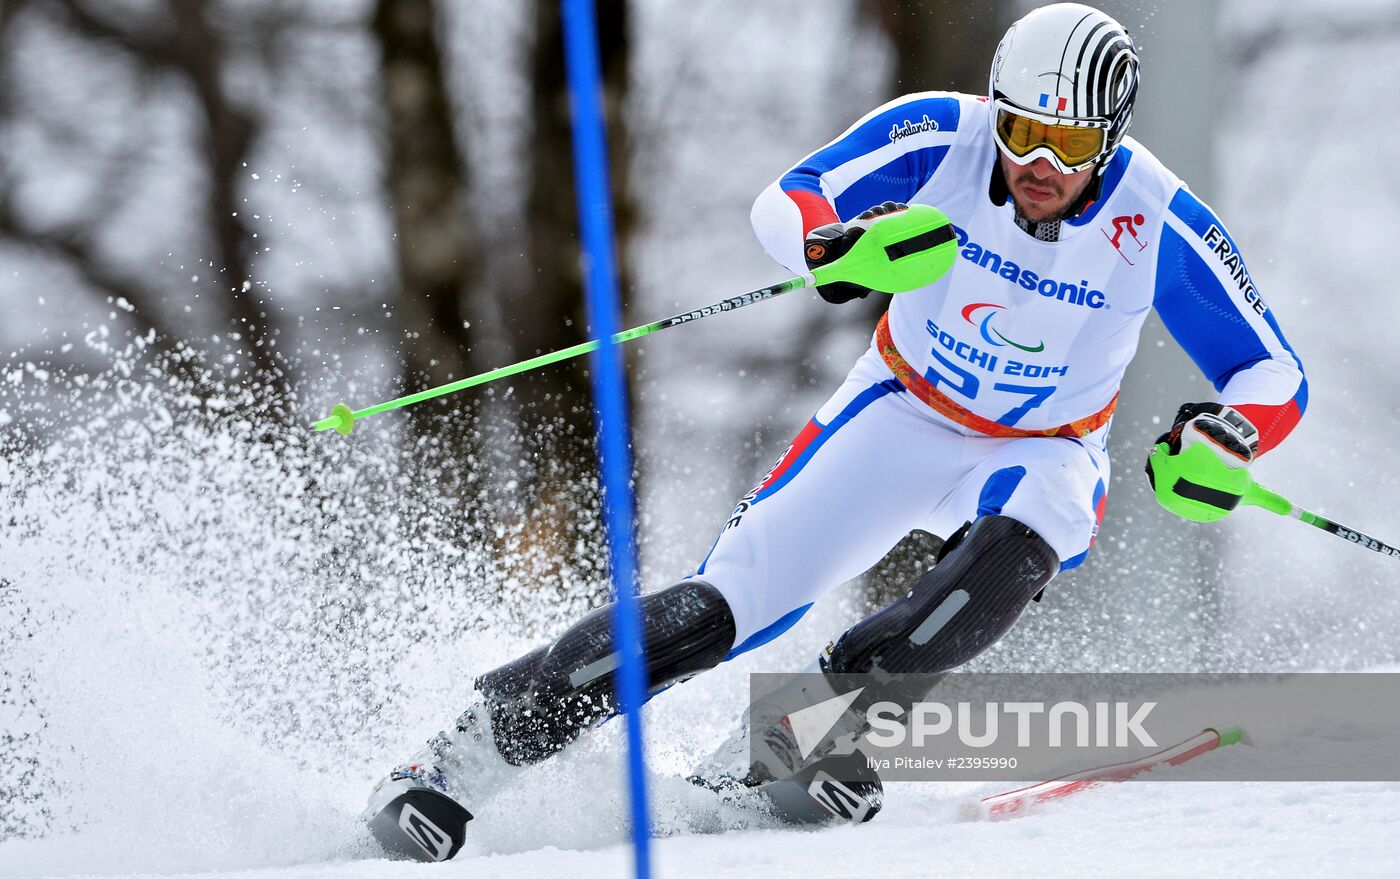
column 1069, row 144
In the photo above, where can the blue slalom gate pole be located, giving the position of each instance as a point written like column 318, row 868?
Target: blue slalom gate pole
column 610, row 392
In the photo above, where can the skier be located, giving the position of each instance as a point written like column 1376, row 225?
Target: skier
column 980, row 411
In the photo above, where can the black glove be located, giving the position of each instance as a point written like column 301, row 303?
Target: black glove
column 826, row 244
column 1197, row 469
column 1229, row 434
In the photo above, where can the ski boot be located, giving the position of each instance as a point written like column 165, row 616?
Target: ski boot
column 798, row 779
column 419, row 810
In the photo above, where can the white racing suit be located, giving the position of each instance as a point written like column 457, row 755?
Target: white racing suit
column 1009, row 366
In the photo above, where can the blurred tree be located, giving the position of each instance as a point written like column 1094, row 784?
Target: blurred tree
column 942, row 45
column 473, row 298
column 439, row 263
column 186, row 41
column 543, row 307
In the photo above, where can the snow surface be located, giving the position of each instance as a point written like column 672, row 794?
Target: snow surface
column 1186, row 829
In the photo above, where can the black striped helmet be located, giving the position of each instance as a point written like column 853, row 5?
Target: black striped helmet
column 1064, row 65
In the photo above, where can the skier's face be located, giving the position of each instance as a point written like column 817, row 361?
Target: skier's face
column 1041, row 192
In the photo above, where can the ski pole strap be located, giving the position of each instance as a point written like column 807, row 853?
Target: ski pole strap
column 941, row 403
column 920, row 243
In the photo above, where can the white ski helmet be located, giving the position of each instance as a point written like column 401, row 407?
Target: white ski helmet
column 1063, row 85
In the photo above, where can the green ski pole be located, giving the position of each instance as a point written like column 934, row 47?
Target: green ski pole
column 1259, row 496
column 902, row 252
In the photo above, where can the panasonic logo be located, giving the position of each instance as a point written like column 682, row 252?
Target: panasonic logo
column 1050, row 288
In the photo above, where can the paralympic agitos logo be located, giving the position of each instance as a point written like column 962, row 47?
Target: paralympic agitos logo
column 1050, row 288
column 983, row 323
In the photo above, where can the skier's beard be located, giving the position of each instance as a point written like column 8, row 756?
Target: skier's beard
column 1042, row 199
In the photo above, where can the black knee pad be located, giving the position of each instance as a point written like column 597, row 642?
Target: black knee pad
column 964, row 605
column 540, row 702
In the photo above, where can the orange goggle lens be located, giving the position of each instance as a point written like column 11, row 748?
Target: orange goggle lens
column 1073, row 145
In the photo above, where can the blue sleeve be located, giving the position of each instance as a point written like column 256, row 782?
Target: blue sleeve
column 1209, row 303
column 913, row 133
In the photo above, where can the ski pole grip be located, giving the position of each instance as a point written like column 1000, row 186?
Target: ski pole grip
column 898, row 253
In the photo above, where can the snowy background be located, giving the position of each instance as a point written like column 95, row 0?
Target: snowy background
column 218, row 629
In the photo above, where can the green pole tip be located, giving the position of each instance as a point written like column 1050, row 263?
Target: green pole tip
column 344, row 419
column 1229, row 735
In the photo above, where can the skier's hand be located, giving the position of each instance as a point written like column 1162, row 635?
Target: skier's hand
column 826, row 244
column 1199, row 468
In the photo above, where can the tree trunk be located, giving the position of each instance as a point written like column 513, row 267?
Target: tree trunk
column 229, row 133
column 941, row 45
column 438, row 261
column 544, row 310
column 187, row 43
